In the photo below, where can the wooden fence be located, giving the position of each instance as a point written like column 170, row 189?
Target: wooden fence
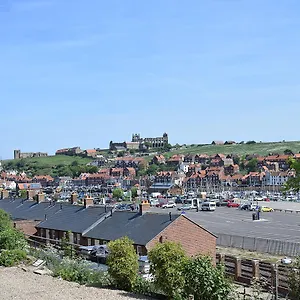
column 245, row 271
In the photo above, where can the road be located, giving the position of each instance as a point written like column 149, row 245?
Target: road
column 272, row 225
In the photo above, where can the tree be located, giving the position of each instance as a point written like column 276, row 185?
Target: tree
column 251, row 165
column 250, row 142
column 11, row 239
column 123, row 263
column 293, row 183
column 134, row 192
column 118, row 193
column 288, row 152
column 294, row 279
column 5, row 220
column 167, row 261
column 205, row 281
column 152, row 170
column 167, row 147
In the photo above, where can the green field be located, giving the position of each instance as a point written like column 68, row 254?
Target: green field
column 240, row 149
column 50, row 161
column 60, row 165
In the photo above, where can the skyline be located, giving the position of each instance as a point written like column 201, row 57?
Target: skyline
column 73, row 74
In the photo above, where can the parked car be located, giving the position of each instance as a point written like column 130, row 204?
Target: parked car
column 185, row 207
column 248, row 206
column 221, row 203
column 266, row 209
column 208, row 206
column 170, row 204
column 233, row 204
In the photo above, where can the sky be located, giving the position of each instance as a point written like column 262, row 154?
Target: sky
column 83, row 73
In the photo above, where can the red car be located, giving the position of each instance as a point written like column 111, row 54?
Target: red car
column 233, row 204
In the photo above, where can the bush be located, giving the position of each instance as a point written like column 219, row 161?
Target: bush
column 167, row 265
column 11, row 239
column 294, row 279
column 144, row 287
column 205, row 281
column 9, row 258
column 5, row 221
column 123, row 263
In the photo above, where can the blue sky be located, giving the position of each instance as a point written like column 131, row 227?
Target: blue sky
column 83, row 73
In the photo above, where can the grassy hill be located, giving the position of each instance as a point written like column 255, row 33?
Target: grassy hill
column 239, row 149
column 50, row 165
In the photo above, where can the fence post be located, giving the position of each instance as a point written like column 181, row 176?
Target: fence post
column 221, row 258
column 274, row 279
column 255, row 269
column 238, row 268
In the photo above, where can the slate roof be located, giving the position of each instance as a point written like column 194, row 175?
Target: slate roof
column 140, row 228
column 21, row 209
column 74, row 218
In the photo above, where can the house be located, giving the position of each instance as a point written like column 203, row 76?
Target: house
column 277, row 178
column 229, row 143
column 90, row 153
column 116, row 172
column 69, row 151
column 158, row 159
column 44, row 180
column 217, row 143
column 129, row 172
column 202, row 158
column 146, row 229
column 92, row 225
column 129, row 161
column 231, row 169
column 175, row 160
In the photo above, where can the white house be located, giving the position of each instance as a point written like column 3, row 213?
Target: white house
column 277, row 178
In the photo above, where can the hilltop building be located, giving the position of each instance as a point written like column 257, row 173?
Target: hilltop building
column 137, row 142
column 18, row 154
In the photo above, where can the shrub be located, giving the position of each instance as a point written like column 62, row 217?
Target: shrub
column 294, row 279
column 123, row 263
column 205, row 281
column 167, row 265
column 5, row 221
column 9, row 258
column 11, row 239
column 144, row 287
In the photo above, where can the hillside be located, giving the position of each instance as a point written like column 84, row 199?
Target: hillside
column 239, row 149
column 52, row 165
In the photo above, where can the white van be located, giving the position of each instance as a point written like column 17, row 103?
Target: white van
column 208, row 206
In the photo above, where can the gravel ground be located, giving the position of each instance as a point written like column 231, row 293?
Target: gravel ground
column 16, row 283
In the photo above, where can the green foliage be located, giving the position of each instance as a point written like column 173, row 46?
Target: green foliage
column 294, row 279
column 9, row 258
column 293, row 183
column 67, row 249
column 250, row 142
column 251, row 165
column 205, row 281
column 11, row 239
column 288, row 152
column 167, row 266
column 134, row 192
column 123, row 263
column 5, row 220
column 144, row 287
column 118, row 193
column 23, row 194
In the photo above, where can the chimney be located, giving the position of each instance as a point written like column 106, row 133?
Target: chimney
column 74, row 198
column 144, row 207
column 4, row 194
column 30, row 194
column 88, row 201
column 40, row 197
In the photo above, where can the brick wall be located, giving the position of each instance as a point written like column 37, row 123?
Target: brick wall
column 193, row 238
column 26, row 226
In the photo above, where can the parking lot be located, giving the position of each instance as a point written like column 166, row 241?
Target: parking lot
column 284, row 226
